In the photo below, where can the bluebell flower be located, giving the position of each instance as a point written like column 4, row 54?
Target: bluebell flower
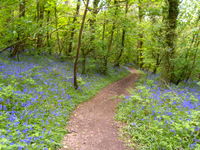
column 127, row 97
column 197, row 140
column 197, row 129
column 1, row 99
column 4, row 107
column 27, row 141
column 169, row 113
column 153, row 112
column 172, row 130
column 133, row 124
column 51, row 140
column 20, row 148
column 188, row 104
column 174, row 103
column 25, row 130
column 16, row 123
column 68, row 96
column 193, row 145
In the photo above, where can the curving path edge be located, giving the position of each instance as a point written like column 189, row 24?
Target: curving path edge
column 92, row 125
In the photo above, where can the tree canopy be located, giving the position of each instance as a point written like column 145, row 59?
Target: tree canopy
column 160, row 36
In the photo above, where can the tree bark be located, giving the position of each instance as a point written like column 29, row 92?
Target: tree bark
column 48, row 35
column 83, row 61
column 92, row 21
column 171, row 23
column 19, row 46
column 73, row 28
column 140, row 41
column 79, row 46
column 105, row 67
column 117, row 61
column 40, row 17
column 57, row 33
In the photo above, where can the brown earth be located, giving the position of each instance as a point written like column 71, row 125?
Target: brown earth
column 92, row 125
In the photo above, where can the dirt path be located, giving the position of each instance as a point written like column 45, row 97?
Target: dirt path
column 92, row 126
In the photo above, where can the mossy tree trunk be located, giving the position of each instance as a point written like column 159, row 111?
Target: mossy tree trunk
column 171, row 24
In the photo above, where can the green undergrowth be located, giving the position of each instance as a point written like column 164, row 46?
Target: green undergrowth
column 37, row 97
column 161, row 117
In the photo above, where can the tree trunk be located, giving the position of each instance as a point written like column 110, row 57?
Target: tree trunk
column 187, row 71
column 48, row 35
column 79, row 46
column 73, row 28
column 105, row 67
column 117, row 61
column 196, row 45
column 83, row 61
column 40, row 17
column 171, row 23
column 158, row 61
column 92, row 23
column 19, row 46
column 103, row 43
column 140, row 41
column 57, row 33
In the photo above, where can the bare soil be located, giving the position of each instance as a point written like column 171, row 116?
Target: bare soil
column 92, row 125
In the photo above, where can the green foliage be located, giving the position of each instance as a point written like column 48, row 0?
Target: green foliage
column 47, row 28
column 37, row 97
column 161, row 118
column 55, row 27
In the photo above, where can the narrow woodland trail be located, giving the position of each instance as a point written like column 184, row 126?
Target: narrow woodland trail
column 92, row 125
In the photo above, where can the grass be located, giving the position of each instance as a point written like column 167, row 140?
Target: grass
column 161, row 117
column 37, row 97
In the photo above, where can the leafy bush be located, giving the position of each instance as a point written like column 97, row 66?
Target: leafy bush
column 162, row 118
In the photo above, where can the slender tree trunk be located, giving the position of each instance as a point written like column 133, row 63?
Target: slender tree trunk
column 158, row 61
column 73, row 28
column 105, row 67
column 109, row 49
column 117, row 61
column 103, row 34
column 92, row 37
column 92, row 23
column 19, row 46
column 187, row 71
column 79, row 46
column 140, row 41
column 57, row 33
column 196, row 45
column 171, row 23
column 48, row 35
column 83, row 61
column 40, row 17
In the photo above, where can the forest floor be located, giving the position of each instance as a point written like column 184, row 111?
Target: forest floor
column 92, row 125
